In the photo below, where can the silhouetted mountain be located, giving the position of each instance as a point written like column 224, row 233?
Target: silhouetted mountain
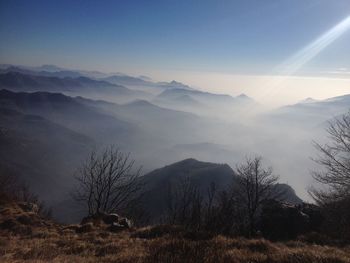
column 145, row 84
column 182, row 102
column 136, row 83
column 311, row 113
column 140, row 111
column 159, row 181
column 333, row 105
column 307, row 100
column 43, row 153
column 206, row 104
column 203, row 151
column 205, row 97
column 151, row 111
column 81, row 85
column 288, row 193
column 59, row 74
column 173, row 85
column 128, row 80
column 69, row 112
column 202, row 174
column 51, row 71
column 244, row 98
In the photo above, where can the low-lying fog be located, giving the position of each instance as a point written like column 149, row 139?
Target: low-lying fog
column 218, row 130
column 160, row 123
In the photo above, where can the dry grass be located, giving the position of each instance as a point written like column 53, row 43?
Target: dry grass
column 52, row 242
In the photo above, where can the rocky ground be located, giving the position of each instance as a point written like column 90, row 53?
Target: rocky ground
column 25, row 236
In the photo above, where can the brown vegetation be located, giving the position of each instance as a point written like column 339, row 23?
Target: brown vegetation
column 25, row 236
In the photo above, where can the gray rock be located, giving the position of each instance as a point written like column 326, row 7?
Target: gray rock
column 111, row 218
column 125, row 222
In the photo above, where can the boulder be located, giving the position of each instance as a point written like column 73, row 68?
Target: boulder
column 126, row 223
column 110, row 218
column 113, row 222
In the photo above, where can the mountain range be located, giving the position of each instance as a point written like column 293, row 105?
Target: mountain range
column 50, row 121
column 69, row 85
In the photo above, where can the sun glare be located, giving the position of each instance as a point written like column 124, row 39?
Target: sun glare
column 290, row 67
column 293, row 64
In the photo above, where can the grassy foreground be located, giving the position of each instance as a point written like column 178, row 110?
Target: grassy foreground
column 24, row 236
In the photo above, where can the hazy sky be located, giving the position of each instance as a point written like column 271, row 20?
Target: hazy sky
column 226, row 46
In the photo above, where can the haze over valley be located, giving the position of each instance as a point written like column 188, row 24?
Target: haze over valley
column 158, row 122
column 175, row 131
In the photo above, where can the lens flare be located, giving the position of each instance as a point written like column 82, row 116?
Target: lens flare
column 288, row 68
column 292, row 65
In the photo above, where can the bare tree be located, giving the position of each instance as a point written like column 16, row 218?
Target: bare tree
column 12, row 188
column 254, row 185
column 184, row 204
column 334, row 157
column 107, row 181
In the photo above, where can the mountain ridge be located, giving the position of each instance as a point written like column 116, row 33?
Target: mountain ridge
column 201, row 174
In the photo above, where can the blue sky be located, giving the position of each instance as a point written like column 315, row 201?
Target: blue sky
column 223, row 36
column 207, row 44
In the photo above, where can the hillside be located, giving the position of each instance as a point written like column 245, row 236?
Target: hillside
column 220, row 106
column 26, row 236
column 309, row 112
column 204, row 97
column 68, row 112
column 43, row 71
column 160, row 126
column 46, row 136
column 128, row 80
column 78, row 85
column 43, row 153
column 202, row 174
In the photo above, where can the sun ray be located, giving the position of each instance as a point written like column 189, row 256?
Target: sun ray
column 299, row 59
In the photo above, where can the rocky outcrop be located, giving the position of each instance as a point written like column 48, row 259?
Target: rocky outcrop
column 112, row 222
column 21, row 218
column 282, row 221
column 24, row 218
column 29, row 207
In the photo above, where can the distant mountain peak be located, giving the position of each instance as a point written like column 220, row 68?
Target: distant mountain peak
column 243, row 96
column 174, row 85
column 308, row 100
column 187, row 161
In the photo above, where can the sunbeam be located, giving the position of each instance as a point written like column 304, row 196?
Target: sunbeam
column 293, row 64
column 298, row 60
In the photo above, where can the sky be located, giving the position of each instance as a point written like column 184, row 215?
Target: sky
column 277, row 51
